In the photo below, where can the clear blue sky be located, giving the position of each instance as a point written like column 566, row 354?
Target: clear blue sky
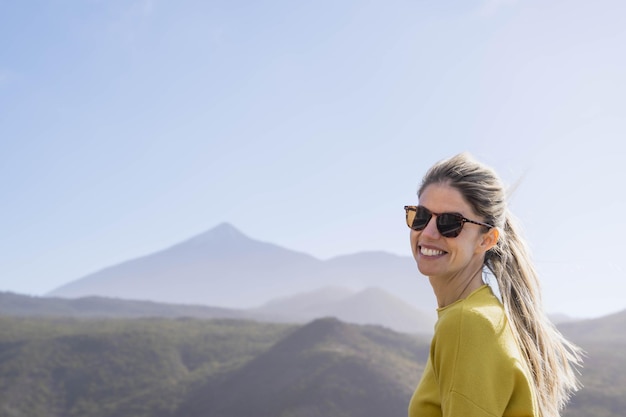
column 128, row 126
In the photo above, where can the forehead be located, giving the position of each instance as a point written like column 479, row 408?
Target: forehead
column 440, row 198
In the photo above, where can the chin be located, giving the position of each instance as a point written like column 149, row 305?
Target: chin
column 426, row 271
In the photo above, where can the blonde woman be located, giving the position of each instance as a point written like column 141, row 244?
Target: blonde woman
column 494, row 353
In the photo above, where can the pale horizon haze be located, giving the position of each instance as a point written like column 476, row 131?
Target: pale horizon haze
column 129, row 126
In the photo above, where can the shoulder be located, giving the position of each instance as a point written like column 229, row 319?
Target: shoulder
column 481, row 310
column 477, row 323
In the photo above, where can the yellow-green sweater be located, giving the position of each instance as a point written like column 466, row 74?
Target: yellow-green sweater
column 475, row 368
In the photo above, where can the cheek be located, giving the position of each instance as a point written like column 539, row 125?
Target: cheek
column 466, row 248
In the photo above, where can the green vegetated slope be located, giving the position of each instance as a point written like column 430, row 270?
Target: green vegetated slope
column 231, row 368
column 326, row 368
column 57, row 367
column 604, row 372
column 191, row 367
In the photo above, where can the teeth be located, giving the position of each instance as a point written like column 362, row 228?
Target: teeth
column 431, row 252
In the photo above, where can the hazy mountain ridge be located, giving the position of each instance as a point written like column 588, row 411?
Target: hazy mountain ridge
column 604, row 371
column 234, row 368
column 225, row 268
column 370, row 306
column 608, row 328
column 12, row 304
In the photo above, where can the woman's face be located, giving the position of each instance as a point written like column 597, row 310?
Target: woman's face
column 438, row 256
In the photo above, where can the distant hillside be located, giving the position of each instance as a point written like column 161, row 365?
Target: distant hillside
column 12, row 304
column 369, row 306
column 187, row 368
column 604, row 372
column 608, row 329
column 323, row 369
column 230, row 368
column 225, row 268
column 116, row 368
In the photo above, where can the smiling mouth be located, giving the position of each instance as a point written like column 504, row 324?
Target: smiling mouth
column 431, row 252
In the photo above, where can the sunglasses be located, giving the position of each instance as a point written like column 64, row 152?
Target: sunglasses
column 448, row 224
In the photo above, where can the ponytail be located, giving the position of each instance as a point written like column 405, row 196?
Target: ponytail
column 550, row 357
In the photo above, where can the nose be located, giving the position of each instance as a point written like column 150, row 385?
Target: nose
column 431, row 228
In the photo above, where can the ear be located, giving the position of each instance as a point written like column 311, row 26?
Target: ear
column 489, row 239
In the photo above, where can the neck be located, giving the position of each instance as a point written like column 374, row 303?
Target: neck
column 450, row 289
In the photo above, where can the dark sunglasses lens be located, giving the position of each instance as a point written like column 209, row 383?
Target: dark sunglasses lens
column 410, row 216
column 449, row 224
column 422, row 217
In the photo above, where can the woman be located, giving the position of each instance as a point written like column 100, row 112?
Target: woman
column 494, row 352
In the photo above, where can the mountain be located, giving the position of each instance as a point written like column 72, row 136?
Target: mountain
column 604, row 373
column 608, row 329
column 395, row 274
column 221, row 267
column 369, row 306
column 303, row 304
column 225, row 268
column 325, row 368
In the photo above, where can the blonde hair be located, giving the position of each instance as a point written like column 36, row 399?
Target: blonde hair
column 551, row 358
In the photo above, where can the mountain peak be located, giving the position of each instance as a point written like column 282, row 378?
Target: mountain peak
column 223, row 232
column 225, row 229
